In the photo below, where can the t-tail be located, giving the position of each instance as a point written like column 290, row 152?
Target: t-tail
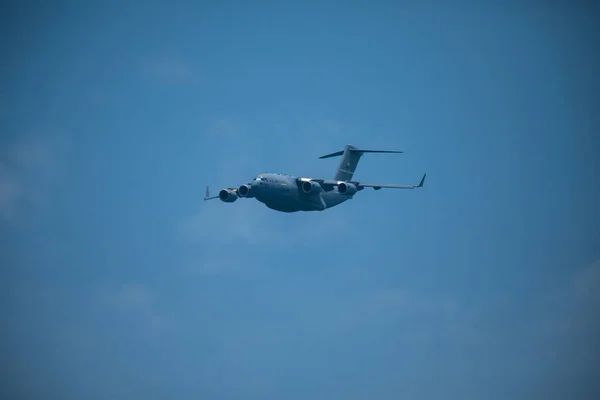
column 350, row 158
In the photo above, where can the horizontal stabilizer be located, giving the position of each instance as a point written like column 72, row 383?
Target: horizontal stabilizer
column 375, row 151
column 361, row 151
column 336, row 154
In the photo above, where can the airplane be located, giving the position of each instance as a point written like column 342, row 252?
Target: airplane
column 288, row 193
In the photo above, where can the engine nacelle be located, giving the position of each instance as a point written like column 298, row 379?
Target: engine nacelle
column 347, row 188
column 310, row 187
column 227, row 196
column 245, row 191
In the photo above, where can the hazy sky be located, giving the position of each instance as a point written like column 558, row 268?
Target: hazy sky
column 117, row 280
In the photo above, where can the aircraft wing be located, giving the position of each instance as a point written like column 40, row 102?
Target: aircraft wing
column 328, row 184
column 378, row 186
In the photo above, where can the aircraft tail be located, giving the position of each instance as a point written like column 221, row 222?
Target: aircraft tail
column 350, row 157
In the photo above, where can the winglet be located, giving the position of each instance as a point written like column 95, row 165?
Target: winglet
column 422, row 180
column 207, row 196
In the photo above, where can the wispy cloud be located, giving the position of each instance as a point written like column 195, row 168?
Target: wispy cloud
column 569, row 331
column 576, row 306
column 29, row 167
column 586, row 282
column 248, row 225
column 137, row 302
column 422, row 313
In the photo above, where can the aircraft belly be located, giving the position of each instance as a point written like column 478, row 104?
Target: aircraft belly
column 290, row 200
column 311, row 203
column 280, row 200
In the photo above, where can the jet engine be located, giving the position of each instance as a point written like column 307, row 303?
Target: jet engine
column 347, row 188
column 310, row 187
column 227, row 196
column 245, row 191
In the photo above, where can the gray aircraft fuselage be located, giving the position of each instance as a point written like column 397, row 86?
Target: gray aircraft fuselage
column 281, row 192
column 288, row 193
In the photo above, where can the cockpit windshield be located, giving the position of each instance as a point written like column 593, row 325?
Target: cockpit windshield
column 260, row 178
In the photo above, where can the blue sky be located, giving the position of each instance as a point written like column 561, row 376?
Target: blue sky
column 118, row 281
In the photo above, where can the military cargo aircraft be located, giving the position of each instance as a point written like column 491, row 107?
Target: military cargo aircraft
column 288, row 193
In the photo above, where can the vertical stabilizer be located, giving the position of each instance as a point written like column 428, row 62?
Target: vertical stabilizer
column 348, row 164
